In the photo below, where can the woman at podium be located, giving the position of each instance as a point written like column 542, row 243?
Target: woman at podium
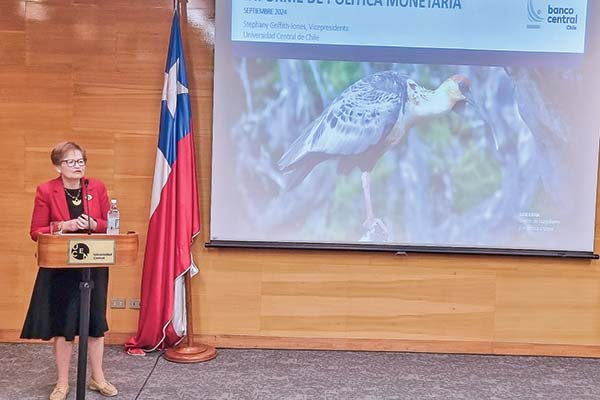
column 69, row 203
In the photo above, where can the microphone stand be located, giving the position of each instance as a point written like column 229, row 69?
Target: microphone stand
column 87, row 203
column 85, row 289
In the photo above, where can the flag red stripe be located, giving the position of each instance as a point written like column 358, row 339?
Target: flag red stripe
column 168, row 250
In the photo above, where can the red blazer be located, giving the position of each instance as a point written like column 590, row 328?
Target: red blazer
column 51, row 205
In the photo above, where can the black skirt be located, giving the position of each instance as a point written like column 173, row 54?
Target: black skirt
column 54, row 307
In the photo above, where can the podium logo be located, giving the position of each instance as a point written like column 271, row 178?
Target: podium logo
column 80, row 251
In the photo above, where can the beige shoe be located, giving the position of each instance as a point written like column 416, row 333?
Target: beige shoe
column 59, row 392
column 106, row 389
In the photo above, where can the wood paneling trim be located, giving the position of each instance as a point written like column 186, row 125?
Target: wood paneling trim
column 417, row 346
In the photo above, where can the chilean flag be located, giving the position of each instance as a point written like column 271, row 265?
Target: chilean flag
column 174, row 214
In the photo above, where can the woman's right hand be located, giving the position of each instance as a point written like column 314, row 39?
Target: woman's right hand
column 79, row 224
column 70, row 225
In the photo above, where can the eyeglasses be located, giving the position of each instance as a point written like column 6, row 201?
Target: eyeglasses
column 72, row 163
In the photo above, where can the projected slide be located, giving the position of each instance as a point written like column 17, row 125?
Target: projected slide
column 456, row 24
column 442, row 123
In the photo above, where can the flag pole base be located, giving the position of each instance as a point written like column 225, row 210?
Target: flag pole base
column 190, row 354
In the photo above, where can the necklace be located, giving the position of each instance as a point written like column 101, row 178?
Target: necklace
column 76, row 200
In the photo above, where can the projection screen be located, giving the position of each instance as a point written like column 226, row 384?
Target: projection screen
column 442, row 125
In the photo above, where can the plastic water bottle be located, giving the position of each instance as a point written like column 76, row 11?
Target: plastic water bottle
column 112, row 219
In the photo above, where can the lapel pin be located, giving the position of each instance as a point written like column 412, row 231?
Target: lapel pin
column 89, row 197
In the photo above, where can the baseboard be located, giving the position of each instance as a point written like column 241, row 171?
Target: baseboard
column 540, row 349
column 294, row 343
column 417, row 346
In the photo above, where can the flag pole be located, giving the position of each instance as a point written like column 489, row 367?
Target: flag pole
column 189, row 352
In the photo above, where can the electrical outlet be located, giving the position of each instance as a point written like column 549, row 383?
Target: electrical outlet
column 117, row 303
column 134, row 304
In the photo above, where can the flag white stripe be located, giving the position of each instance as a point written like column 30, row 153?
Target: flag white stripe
column 162, row 170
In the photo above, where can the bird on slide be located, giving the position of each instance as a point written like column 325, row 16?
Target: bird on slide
column 367, row 119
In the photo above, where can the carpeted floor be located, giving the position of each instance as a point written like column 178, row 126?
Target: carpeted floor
column 27, row 372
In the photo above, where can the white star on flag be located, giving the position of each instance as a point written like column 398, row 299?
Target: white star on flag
column 172, row 87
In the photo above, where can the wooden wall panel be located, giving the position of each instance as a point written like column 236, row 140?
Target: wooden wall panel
column 232, row 293
column 79, row 37
column 92, row 71
column 554, row 304
column 12, row 43
column 11, row 18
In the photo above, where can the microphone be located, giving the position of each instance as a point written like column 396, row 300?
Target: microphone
column 87, row 201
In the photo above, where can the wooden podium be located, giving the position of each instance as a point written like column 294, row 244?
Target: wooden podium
column 85, row 252
column 54, row 251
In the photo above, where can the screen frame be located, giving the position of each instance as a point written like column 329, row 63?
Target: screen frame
column 592, row 50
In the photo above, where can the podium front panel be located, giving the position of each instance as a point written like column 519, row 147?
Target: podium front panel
column 77, row 250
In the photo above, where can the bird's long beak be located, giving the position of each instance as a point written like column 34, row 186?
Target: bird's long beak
column 484, row 117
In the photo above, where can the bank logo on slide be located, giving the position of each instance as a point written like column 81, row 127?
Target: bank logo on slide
column 534, row 15
column 566, row 17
